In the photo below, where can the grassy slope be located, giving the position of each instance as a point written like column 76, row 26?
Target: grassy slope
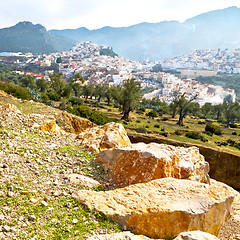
column 170, row 126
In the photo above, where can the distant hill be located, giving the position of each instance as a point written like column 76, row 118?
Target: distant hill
column 27, row 37
column 215, row 29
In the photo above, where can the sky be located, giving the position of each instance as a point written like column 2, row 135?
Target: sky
column 94, row 14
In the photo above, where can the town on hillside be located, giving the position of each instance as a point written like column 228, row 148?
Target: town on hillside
column 100, row 65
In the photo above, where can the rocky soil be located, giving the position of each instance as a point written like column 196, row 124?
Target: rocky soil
column 35, row 191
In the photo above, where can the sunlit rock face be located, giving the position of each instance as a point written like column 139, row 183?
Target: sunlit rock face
column 73, row 124
column 164, row 206
column 99, row 138
column 142, row 162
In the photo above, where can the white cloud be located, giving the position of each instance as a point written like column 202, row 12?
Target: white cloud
column 98, row 13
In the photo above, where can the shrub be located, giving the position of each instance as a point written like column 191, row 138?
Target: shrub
column 139, row 112
column 234, row 133
column 53, row 96
column 165, row 134
column 209, row 133
column 233, row 125
column 201, row 122
column 45, row 97
column 210, row 128
column 138, row 121
column 142, row 109
column 213, row 129
column 218, row 131
column 163, row 129
column 141, row 130
column 193, row 135
column 160, row 112
column 157, row 126
column 76, row 101
column 165, row 118
column 203, row 139
column 152, row 114
column 16, row 91
column 147, row 126
column 178, row 132
column 93, row 115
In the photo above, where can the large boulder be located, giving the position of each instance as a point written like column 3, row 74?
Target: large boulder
column 142, row 162
column 104, row 137
column 195, row 235
column 73, row 124
column 166, row 206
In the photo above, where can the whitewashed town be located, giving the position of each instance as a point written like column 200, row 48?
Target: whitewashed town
column 87, row 59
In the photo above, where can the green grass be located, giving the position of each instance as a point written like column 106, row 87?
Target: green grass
column 63, row 218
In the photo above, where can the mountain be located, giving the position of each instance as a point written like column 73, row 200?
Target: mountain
column 215, row 29
column 27, row 37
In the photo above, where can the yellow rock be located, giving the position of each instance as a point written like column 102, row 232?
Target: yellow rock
column 73, row 124
column 51, row 127
column 142, row 162
column 164, row 206
column 104, row 137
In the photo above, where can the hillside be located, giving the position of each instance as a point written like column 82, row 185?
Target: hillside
column 27, row 37
column 40, row 171
column 35, row 191
column 168, row 38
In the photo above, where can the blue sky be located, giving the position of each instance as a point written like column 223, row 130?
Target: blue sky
column 93, row 14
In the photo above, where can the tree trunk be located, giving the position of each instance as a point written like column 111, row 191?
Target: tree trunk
column 180, row 120
column 108, row 100
column 126, row 114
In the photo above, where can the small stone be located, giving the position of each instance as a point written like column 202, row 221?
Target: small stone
column 10, row 194
column 68, row 204
column 4, row 166
column 31, row 218
column 6, row 208
column 33, row 200
column 21, row 218
column 24, row 192
column 13, row 229
column 57, row 193
column 1, row 193
column 44, row 204
column 10, row 188
column 6, row 228
column 74, row 221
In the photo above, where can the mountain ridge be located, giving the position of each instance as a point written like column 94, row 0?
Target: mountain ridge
column 156, row 41
column 214, row 29
column 28, row 37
